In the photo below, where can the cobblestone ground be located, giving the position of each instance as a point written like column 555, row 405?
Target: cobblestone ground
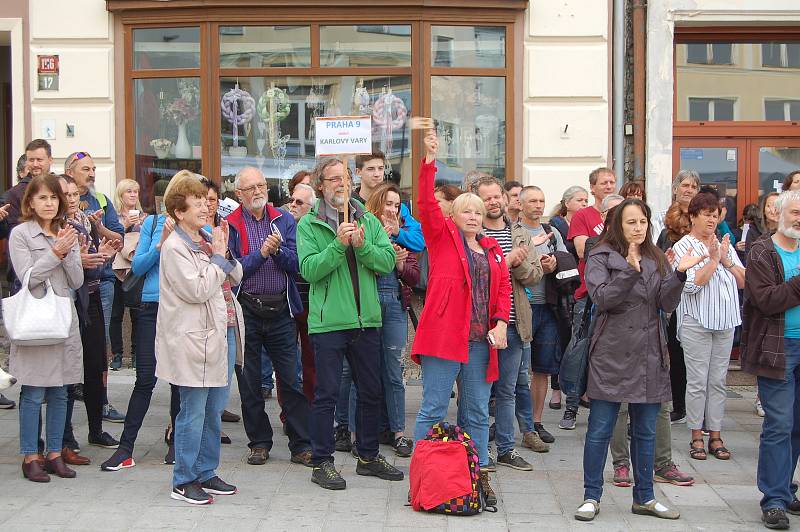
column 279, row 495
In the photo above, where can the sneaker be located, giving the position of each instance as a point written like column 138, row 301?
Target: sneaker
column 677, row 418
column 121, row 459
column 775, row 518
column 111, row 414
column 588, row 510
column 116, row 362
column 543, row 434
column 342, row 439
column 622, row 476
column 378, row 467
column 568, row 421
column 327, row 477
column 656, row 509
column 403, row 446
column 6, row 403
column 169, row 459
column 533, row 441
column 386, row 437
column 794, row 507
column 191, row 493
column 670, row 474
column 104, row 439
column 758, row 407
column 488, row 492
column 354, row 450
column 302, row 458
column 258, row 456
column 513, row 460
column 217, row 486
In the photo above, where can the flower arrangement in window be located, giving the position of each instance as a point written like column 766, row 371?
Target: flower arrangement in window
column 180, row 111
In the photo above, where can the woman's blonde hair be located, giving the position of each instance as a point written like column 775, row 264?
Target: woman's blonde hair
column 122, row 187
column 466, row 200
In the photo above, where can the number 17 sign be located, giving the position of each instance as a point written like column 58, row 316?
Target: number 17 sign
column 343, row 135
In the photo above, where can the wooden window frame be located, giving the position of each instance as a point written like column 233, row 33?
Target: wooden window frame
column 420, row 14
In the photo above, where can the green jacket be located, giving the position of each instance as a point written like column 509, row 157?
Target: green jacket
column 332, row 305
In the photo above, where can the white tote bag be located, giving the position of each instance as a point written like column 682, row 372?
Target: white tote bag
column 37, row 321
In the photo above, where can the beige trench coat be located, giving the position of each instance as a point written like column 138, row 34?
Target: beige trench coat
column 46, row 365
column 192, row 324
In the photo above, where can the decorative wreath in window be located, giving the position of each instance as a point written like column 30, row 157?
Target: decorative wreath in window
column 281, row 108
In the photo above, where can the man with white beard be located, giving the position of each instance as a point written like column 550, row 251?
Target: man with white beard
column 771, row 351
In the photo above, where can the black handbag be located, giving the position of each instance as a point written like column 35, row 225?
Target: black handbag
column 575, row 362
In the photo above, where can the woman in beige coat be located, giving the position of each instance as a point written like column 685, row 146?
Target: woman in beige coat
column 196, row 341
column 49, row 249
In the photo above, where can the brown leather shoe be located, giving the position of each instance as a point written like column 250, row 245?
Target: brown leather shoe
column 302, row 458
column 56, row 466
column 70, row 457
column 33, row 471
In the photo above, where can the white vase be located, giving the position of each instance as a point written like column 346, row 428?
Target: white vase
column 183, row 150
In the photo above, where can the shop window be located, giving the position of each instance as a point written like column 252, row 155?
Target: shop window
column 276, row 132
column 365, row 46
column 166, row 48
column 710, row 109
column 782, row 110
column 470, row 119
column 168, row 126
column 780, row 55
column 264, row 46
column 468, row 46
column 709, row 53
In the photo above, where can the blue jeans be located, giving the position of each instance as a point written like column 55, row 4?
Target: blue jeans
column 524, row 407
column 198, row 426
column 571, row 401
column 266, row 371
column 107, row 300
column 780, row 435
column 30, row 409
column 343, row 401
column 509, row 360
column 438, row 377
column 602, row 418
column 393, row 340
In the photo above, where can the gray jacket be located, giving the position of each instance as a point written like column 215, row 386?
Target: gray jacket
column 628, row 359
column 46, row 365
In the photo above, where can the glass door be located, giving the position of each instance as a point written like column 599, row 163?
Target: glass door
column 771, row 161
column 721, row 164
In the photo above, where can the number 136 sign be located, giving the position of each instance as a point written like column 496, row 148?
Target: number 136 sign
column 343, row 135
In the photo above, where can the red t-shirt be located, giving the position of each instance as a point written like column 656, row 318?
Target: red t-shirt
column 586, row 222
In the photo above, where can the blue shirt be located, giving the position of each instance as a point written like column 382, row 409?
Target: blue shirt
column 791, row 268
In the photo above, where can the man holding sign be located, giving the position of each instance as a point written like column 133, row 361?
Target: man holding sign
column 341, row 248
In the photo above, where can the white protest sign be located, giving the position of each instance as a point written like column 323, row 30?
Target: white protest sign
column 343, row 135
column 226, row 206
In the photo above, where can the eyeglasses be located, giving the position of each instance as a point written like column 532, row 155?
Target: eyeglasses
column 298, row 202
column 334, row 179
column 261, row 187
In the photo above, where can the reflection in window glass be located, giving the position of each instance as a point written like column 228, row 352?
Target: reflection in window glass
column 470, row 115
column 774, row 163
column 752, row 74
column 468, row 46
column 159, row 48
column 717, row 167
column 168, row 132
column 279, row 134
column 365, row 46
column 264, row 46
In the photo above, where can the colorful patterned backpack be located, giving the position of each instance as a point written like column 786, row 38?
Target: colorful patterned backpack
column 445, row 473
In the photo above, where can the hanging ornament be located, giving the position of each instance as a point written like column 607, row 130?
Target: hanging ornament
column 388, row 112
column 230, row 104
column 281, row 106
column 361, row 99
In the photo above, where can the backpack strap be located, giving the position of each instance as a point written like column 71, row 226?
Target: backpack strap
column 551, row 242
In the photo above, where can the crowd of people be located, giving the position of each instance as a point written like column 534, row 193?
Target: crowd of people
column 319, row 292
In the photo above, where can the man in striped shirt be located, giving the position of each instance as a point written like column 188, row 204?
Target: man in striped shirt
column 526, row 270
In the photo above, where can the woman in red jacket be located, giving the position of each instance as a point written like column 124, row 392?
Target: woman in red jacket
column 464, row 321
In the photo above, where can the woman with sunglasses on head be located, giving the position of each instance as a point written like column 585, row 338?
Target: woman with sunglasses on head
column 131, row 215
column 44, row 247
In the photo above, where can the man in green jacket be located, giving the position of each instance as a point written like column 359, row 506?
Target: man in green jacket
column 341, row 259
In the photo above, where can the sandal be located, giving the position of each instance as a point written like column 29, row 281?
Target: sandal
column 720, row 453
column 698, row 453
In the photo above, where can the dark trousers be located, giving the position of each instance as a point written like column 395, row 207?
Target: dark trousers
column 306, row 361
column 279, row 337
column 677, row 366
column 115, row 327
column 145, row 377
column 362, row 349
column 93, row 337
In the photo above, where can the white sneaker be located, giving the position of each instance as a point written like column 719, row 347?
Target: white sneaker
column 759, row 409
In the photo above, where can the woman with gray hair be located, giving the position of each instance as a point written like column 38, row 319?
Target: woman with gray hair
column 685, row 186
column 574, row 199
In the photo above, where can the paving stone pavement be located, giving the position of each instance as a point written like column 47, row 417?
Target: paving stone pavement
column 280, row 496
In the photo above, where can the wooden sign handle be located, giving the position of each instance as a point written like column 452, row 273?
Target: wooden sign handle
column 347, row 182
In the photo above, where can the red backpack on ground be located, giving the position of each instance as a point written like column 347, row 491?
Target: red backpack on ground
column 445, row 473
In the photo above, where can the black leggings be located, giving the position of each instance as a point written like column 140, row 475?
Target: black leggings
column 677, row 366
column 117, row 315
